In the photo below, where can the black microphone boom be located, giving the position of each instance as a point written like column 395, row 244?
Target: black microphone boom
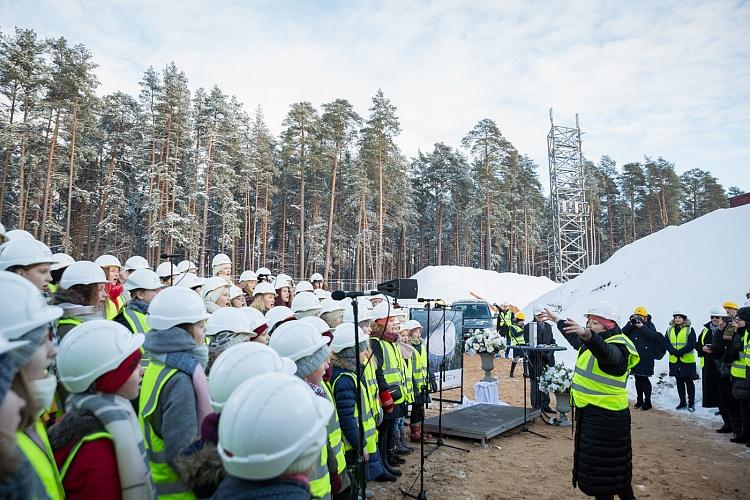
column 341, row 294
column 169, row 255
column 422, row 299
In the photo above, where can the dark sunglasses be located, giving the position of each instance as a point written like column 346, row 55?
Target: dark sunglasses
column 715, row 317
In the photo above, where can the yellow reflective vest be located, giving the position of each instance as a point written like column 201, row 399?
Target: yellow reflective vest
column 593, row 386
column 166, row 480
column 516, row 336
column 392, row 365
column 368, row 419
column 112, row 307
column 679, row 340
column 42, row 460
column 739, row 365
column 72, row 455
column 334, row 433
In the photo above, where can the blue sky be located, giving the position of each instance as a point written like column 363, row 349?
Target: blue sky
column 667, row 79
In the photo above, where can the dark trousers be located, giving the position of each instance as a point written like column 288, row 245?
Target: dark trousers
column 728, row 406
column 744, row 418
column 643, row 389
column 683, row 382
column 385, row 439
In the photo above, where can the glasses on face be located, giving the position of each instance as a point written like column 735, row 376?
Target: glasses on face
column 715, row 317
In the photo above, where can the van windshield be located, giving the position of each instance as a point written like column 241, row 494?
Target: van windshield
column 473, row 310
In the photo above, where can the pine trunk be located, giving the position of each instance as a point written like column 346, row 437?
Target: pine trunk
column 8, row 152
column 206, row 192
column 332, row 203
column 48, row 181
column 71, row 168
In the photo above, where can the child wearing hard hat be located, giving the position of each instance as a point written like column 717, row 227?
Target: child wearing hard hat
column 174, row 394
column 32, row 325
column 221, row 267
column 81, row 295
column 98, row 444
column 226, row 327
column 264, row 295
column 199, row 465
column 113, row 288
column 31, row 259
column 516, row 336
column 215, row 294
column 277, row 462
column 424, row 380
column 247, row 283
column 143, row 285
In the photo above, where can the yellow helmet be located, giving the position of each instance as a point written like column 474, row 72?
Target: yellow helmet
column 730, row 305
column 641, row 311
column 521, row 316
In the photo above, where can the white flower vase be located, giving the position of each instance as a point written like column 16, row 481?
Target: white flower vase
column 562, row 406
column 488, row 364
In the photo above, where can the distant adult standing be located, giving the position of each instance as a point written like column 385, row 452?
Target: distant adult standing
column 317, row 281
column 544, row 336
column 706, row 361
column 602, row 453
column 723, row 353
column 739, row 352
column 505, row 320
column 642, row 332
column 681, row 344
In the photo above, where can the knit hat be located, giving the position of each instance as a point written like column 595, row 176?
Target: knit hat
column 7, row 372
column 308, row 364
column 606, row 323
column 350, row 353
column 111, row 381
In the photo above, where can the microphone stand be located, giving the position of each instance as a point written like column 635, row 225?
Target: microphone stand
column 361, row 481
column 528, row 363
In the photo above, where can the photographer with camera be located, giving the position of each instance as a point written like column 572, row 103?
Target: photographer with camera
column 642, row 332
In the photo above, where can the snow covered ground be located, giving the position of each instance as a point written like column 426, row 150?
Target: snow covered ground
column 696, row 267
column 451, row 283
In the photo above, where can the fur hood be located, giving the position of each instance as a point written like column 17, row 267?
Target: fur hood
column 200, row 467
column 72, row 428
column 686, row 323
column 342, row 363
column 69, row 296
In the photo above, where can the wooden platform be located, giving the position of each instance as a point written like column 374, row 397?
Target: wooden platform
column 481, row 421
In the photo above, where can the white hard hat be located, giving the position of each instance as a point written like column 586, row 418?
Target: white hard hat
column 212, row 284
column 400, row 312
column 303, row 286
column 24, row 253
column 234, row 292
column 175, row 306
column 383, row 310
column 136, row 262
column 294, row 422
column 188, row 280
column 62, row 260
column 305, row 302
column 605, row 310
column 316, row 277
column 18, row 234
column 680, row 312
column 539, row 309
column 282, row 280
column 297, row 339
column 228, row 319
column 255, row 316
column 248, row 276
column 6, row 346
column 343, row 336
column 364, row 311
column 92, row 349
column 143, row 279
column 411, row 324
column 220, row 259
column 186, row 267
column 717, row 312
column 263, row 271
column 277, row 314
column 379, row 296
column 318, row 323
column 22, row 307
column 322, row 294
column 239, row 363
column 166, row 269
column 83, row 272
column 330, row 305
column 263, row 288
column 107, row 260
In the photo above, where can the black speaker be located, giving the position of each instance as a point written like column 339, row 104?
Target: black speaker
column 400, row 288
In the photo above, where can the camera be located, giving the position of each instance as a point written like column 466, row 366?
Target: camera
column 636, row 321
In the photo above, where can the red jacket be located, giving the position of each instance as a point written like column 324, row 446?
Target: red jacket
column 93, row 473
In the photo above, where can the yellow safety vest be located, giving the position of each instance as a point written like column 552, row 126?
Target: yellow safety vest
column 112, row 308
column 591, row 385
column 739, row 365
column 678, row 341
column 166, row 480
column 702, row 340
column 136, row 320
column 371, row 384
column 408, row 368
column 72, row 455
column 320, row 478
column 505, row 318
column 418, row 368
column 516, row 336
column 42, row 460
column 334, row 433
column 70, row 320
column 51, row 287
column 368, row 419
column 393, row 367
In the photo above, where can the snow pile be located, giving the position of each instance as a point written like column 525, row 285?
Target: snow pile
column 452, row 283
column 694, row 267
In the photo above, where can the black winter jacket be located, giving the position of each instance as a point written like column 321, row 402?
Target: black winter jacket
column 543, row 336
column 645, row 339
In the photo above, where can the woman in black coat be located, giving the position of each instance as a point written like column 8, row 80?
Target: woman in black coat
column 707, row 362
column 682, row 359
column 641, row 330
column 722, row 351
column 602, row 455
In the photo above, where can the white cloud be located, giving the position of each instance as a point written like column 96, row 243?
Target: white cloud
column 665, row 79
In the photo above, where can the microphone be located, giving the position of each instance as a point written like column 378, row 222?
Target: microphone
column 341, row 294
column 169, row 255
column 421, row 299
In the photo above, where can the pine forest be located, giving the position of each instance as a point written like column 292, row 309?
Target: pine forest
column 192, row 171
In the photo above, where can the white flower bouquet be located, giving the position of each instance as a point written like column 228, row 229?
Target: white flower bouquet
column 484, row 340
column 556, row 378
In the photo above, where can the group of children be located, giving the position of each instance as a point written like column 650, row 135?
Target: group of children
column 118, row 381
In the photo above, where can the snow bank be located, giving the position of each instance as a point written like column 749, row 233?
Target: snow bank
column 452, row 283
column 695, row 267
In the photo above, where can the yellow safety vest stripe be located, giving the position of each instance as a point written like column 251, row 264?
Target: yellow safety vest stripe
column 678, row 341
column 369, row 425
column 334, row 433
column 392, row 367
column 72, row 455
column 739, row 366
column 516, row 336
column 702, row 340
column 505, row 318
column 112, row 307
column 42, row 460
column 320, row 479
column 137, row 320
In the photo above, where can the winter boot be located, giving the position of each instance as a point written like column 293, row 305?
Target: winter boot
column 393, row 458
column 512, row 368
column 401, row 446
column 638, row 403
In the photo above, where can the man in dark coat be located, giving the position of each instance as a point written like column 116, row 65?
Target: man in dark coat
column 641, row 330
column 706, row 360
column 539, row 398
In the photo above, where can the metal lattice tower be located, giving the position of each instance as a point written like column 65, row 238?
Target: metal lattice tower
column 570, row 211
